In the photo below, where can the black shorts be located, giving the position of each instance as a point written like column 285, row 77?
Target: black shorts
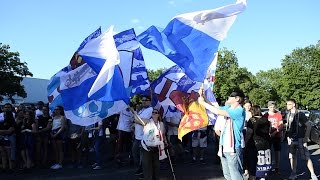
column 276, row 143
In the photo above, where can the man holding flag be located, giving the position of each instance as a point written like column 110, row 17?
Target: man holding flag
column 231, row 141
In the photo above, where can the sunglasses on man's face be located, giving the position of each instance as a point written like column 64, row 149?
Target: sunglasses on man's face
column 155, row 112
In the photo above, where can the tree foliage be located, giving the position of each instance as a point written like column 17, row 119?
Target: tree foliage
column 268, row 84
column 230, row 76
column 301, row 76
column 154, row 74
column 12, row 72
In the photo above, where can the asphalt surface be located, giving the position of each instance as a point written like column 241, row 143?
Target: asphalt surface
column 183, row 170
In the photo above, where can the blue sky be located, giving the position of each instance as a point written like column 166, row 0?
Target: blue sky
column 46, row 33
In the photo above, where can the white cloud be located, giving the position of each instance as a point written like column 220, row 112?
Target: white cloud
column 172, row 3
column 135, row 21
column 140, row 27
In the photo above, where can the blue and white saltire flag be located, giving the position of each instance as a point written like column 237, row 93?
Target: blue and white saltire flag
column 131, row 67
column 190, row 40
column 93, row 89
column 132, row 64
column 175, row 88
column 53, row 89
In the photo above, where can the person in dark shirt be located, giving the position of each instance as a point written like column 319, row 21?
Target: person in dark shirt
column 262, row 141
column 28, row 131
column 6, row 129
column 44, row 124
column 298, row 130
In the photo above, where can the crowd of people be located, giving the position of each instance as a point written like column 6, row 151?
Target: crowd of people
column 35, row 137
column 244, row 131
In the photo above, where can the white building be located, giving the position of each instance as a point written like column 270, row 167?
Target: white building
column 36, row 90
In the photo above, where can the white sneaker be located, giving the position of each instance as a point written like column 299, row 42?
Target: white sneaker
column 314, row 177
column 97, row 167
column 53, row 166
column 293, row 176
column 58, row 166
column 94, row 165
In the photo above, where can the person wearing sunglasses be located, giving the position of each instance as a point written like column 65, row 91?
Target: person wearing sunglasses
column 153, row 142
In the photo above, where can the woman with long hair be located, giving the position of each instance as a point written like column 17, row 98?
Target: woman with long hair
column 19, row 119
column 28, row 130
column 59, row 125
column 153, row 144
column 44, row 124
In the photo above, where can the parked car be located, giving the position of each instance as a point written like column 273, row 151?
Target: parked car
column 306, row 112
column 264, row 110
column 314, row 118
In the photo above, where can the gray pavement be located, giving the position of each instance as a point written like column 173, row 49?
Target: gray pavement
column 183, row 170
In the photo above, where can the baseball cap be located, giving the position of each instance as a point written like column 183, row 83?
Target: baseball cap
column 270, row 103
column 236, row 93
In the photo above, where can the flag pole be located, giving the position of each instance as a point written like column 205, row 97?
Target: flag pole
column 174, row 176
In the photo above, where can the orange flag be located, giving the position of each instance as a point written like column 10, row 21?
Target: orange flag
column 195, row 118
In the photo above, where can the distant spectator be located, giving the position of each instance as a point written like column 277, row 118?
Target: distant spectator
column 44, row 123
column 275, row 119
column 99, row 139
column 6, row 129
column 199, row 144
column 173, row 121
column 124, row 134
column 75, row 134
column 28, row 131
column 38, row 110
column 298, row 128
column 12, row 137
column 59, row 125
column 262, row 141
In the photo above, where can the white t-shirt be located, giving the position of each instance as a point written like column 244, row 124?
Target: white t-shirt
column 144, row 113
column 2, row 116
column 56, row 123
column 38, row 113
column 174, row 118
column 225, row 127
column 125, row 120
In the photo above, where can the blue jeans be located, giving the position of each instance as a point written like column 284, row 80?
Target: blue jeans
column 97, row 147
column 232, row 165
column 137, row 153
column 12, row 139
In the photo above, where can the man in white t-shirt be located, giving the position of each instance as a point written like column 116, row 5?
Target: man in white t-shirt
column 173, row 120
column 145, row 114
column 124, row 133
column 38, row 111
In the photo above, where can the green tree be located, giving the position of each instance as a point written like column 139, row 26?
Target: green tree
column 230, row 76
column 268, row 84
column 154, row 74
column 259, row 96
column 12, row 72
column 301, row 76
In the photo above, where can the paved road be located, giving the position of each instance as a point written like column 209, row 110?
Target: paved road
column 184, row 170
